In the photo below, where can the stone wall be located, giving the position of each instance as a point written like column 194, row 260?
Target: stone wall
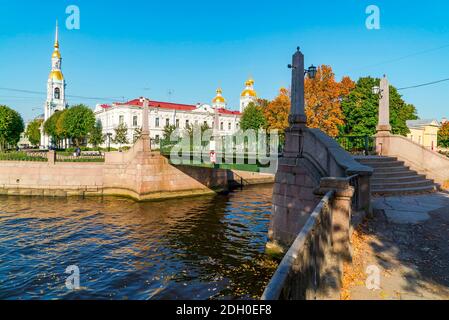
column 137, row 174
column 299, row 176
column 312, row 267
column 421, row 159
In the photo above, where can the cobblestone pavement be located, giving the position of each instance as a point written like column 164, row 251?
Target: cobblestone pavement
column 408, row 241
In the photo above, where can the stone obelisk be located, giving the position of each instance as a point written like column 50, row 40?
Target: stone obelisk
column 293, row 195
column 145, row 135
column 384, row 127
column 297, row 118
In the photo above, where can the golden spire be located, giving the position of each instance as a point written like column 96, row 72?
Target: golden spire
column 56, row 53
column 56, row 36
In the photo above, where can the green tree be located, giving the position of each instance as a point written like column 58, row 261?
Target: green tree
column 55, row 128
column 78, row 123
column 443, row 135
column 361, row 108
column 61, row 130
column 137, row 134
column 253, row 118
column 33, row 131
column 96, row 137
column 11, row 126
column 121, row 134
column 168, row 131
column 191, row 128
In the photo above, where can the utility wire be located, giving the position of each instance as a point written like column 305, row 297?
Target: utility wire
column 68, row 96
column 403, row 57
column 424, row 84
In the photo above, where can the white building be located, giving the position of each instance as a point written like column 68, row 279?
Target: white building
column 162, row 114
column 55, row 90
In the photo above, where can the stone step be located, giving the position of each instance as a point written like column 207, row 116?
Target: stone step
column 391, row 169
column 406, row 178
column 397, row 174
column 400, row 191
column 383, row 164
column 402, row 185
column 363, row 159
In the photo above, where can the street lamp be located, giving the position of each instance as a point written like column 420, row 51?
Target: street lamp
column 311, row 72
column 376, row 90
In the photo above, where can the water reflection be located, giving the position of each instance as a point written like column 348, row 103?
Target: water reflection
column 199, row 248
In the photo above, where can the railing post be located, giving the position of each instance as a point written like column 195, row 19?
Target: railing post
column 364, row 193
column 341, row 207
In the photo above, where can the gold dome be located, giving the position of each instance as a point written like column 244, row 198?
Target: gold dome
column 56, row 75
column 219, row 98
column 249, row 90
column 249, row 93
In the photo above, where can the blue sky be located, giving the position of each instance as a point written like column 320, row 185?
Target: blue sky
column 134, row 48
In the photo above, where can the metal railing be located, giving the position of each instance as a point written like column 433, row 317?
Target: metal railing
column 298, row 276
column 83, row 157
column 34, row 156
column 358, row 145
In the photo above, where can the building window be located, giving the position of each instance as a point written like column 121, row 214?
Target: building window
column 222, row 126
column 205, row 123
column 135, row 121
column 121, row 119
column 157, row 123
column 229, row 126
column 177, row 123
column 167, row 122
column 157, row 139
column 237, row 125
column 187, row 123
column 57, row 93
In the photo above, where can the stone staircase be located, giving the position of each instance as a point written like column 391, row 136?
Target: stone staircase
column 391, row 177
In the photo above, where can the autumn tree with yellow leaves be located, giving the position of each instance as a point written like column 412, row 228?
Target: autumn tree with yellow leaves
column 276, row 112
column 323, row 97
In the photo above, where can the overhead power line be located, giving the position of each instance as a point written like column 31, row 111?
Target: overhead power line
column 68, row 96
column 403, row 57
column 424, row 84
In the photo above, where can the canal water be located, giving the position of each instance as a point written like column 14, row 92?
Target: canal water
column 198, row 248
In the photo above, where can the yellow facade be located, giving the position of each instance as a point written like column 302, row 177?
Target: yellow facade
column 424, row 132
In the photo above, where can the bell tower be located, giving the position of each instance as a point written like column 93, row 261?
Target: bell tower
column 55, row 88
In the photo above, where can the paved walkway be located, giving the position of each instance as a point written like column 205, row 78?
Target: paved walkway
column 408, row 241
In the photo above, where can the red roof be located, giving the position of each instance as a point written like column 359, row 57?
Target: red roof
column 230, row 112
column 170, row 106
